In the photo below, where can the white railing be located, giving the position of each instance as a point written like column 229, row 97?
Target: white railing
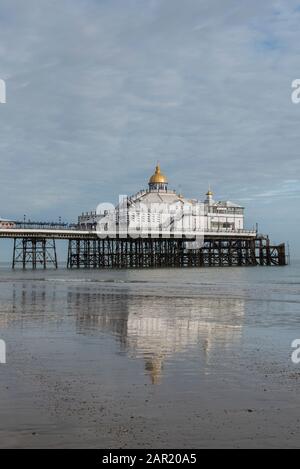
column 229, row 230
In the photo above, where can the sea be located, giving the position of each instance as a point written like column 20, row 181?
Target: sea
column 164, row 358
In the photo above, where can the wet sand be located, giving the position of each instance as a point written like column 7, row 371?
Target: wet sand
column 152, row 359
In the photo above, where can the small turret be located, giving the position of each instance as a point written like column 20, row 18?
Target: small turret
column 209, row 197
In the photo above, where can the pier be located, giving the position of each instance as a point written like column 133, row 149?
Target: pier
column 35, row 247
column 155, row 228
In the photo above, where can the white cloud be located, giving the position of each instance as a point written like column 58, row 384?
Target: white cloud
column 98, row 91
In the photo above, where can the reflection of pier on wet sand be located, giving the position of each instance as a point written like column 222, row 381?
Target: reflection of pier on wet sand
column 147, row 327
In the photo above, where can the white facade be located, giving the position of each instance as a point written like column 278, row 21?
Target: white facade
column 159, row 210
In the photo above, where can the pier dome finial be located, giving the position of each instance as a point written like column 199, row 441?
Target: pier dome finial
column 209, row 192
column 158, row 177
column 158, row 181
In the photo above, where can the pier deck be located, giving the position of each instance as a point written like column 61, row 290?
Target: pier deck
column 92, row 234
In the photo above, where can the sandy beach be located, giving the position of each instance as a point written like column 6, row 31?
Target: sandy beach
column 192, row 359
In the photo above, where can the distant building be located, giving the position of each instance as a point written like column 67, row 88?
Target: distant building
column 6, row 223
column 164, row 210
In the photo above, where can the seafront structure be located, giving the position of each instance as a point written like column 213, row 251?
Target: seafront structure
column 162, row 210
column 157, row 227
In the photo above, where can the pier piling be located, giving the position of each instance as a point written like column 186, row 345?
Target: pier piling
column 34, row 253
column 147, row 253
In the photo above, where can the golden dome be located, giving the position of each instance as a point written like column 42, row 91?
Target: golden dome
column 158, row 177
column 209, row 193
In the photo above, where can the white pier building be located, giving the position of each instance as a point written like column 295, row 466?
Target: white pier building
column 159, row 209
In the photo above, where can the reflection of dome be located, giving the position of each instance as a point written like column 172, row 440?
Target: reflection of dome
column 158, row 177
column 154, row 367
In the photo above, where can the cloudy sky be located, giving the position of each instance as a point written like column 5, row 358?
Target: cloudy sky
column 99, row 90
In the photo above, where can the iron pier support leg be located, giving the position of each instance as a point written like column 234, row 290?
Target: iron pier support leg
column 69, row 263
column 24, row 243
column 14, row 254
column 55, row 254
column 34, row 252
column 281, row 255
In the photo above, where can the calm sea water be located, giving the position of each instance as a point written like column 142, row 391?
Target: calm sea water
column 150, row 358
